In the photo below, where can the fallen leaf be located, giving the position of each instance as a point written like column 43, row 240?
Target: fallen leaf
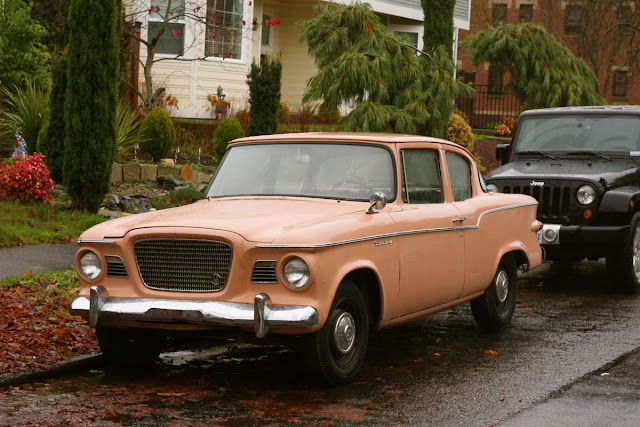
column 491, row 352
column 171, row 394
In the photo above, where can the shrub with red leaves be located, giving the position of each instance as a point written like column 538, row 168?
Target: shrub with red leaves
column 26, row 179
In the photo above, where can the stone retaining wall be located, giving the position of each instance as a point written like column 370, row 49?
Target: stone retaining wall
column 140, row 172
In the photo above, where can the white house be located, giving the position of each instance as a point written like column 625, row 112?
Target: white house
column 197, row 58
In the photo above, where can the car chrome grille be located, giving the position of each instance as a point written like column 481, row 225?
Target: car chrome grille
column 183, row 265
column 264, row 272
column 554, row 198
column 115, row 267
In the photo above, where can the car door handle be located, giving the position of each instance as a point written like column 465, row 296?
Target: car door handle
column 460, row 219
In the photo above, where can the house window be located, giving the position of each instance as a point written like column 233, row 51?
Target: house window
column 171, row 41
column 494, row 82
column 411, row 38
column 266, row 31
column 223, row 35
column 526, row 13
column 573, row 19
column 499, row 13
column 620, row 84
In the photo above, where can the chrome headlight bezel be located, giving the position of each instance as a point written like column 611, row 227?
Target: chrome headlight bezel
column 296, row 273
column 586, row 195
column 90, row 266
column 492, row 188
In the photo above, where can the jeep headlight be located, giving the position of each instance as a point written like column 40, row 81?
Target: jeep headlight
column 586, row 195
column 492, row 188
column 296, row 273
column 90, row 266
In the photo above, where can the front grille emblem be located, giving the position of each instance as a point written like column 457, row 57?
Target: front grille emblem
column 537, row 183
column 216, row 279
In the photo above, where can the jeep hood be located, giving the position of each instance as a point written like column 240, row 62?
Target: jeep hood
column 255, row 219
column 617, row 172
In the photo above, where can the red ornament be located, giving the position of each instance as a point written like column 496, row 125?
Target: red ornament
column 249, row 3
column 157, row 8
column 224, row 57
column 244, row 22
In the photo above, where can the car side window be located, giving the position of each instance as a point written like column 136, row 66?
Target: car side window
column 421, row 179
column 459, row 175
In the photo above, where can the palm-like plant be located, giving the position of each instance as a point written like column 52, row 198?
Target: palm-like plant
column 25, row 110
column 127, row 136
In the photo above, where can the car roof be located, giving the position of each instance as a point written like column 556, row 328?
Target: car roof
column 594, row 109
column 386, row 138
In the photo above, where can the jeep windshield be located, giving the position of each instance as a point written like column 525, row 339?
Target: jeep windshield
column 324, row 170
column 578, row 135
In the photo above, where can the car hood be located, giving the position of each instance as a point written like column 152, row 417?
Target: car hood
column 255, row 219
column 608, row 173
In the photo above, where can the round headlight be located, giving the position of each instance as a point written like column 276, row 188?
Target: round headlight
column 492, row 188
column 296, row 273
column 90, row 266
column 586, row 194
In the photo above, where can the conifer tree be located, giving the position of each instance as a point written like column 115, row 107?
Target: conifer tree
column 92, row 96
column 396, row 90
column 438, row 24
column 544, row 72
column 264, row 82
column 55, row 131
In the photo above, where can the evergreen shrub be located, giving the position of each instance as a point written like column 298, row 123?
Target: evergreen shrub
column 157, row 133
column 264, row 96
column 227, row 130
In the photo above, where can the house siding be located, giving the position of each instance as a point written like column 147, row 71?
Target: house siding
column 461, row 10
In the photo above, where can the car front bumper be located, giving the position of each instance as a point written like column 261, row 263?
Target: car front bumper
column 587, row 240
column 261, row 315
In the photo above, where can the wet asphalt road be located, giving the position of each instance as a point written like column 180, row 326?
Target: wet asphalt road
column 569, row 359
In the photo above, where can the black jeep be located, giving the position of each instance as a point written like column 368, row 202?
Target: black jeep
column 582, row 164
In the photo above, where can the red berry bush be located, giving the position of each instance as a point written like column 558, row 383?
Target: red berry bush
column 26, row 179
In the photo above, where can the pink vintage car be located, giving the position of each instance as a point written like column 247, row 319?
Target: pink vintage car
column 321, row 237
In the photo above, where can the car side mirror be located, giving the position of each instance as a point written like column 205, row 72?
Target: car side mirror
column 502, row 153
column 377, row 200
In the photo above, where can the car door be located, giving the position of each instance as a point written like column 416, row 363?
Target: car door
column 431, row 246
column 479, row 248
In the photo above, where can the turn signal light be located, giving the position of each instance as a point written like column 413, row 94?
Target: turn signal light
column 588, row 214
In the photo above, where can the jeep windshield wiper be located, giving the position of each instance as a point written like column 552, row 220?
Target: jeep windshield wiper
column 536, row 153
column 589, row 153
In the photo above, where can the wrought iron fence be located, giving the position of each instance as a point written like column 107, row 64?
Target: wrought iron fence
column 487, row 107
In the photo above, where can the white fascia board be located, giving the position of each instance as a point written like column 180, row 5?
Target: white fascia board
column 390, row 9
column 461, row 24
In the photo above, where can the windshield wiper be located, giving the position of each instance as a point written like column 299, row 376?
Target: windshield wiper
column 544, row 153
column 589, row 153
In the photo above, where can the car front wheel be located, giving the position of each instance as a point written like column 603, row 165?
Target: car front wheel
column 337, row 350
column 128, row 348
column 623, row 267
column 493, row 310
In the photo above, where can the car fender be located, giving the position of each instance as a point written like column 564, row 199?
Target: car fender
column 619, row 200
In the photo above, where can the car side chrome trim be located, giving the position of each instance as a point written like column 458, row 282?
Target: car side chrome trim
column 261, row 315
column 384, row 236
column 79, row 241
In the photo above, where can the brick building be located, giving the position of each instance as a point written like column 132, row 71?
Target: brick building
column 592, row 29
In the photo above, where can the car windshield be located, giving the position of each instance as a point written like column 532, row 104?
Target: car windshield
column 578, row 133
column 337, row 171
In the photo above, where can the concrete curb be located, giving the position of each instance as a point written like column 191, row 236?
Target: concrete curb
column 90, row 361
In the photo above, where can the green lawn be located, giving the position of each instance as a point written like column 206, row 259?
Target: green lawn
column 38, row 223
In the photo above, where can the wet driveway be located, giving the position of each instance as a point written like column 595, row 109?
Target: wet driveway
column 438, row 371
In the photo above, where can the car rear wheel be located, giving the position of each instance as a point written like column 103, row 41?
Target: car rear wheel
column 128, row 348
column 494, row 309
column 337, row 350
column 623, row 267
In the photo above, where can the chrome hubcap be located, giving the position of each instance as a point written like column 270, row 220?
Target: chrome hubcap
column 344, row 334
column 636, row 254
column 502, row 286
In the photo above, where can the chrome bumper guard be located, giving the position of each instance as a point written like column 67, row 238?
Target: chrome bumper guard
column 261, row 314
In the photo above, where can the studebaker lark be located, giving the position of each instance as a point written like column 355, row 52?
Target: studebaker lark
column 322, row 237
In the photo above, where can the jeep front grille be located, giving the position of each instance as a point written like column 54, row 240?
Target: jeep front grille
column 554, row 200
column 183, row 265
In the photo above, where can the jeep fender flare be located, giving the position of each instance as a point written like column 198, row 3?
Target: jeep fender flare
column 620, row 200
